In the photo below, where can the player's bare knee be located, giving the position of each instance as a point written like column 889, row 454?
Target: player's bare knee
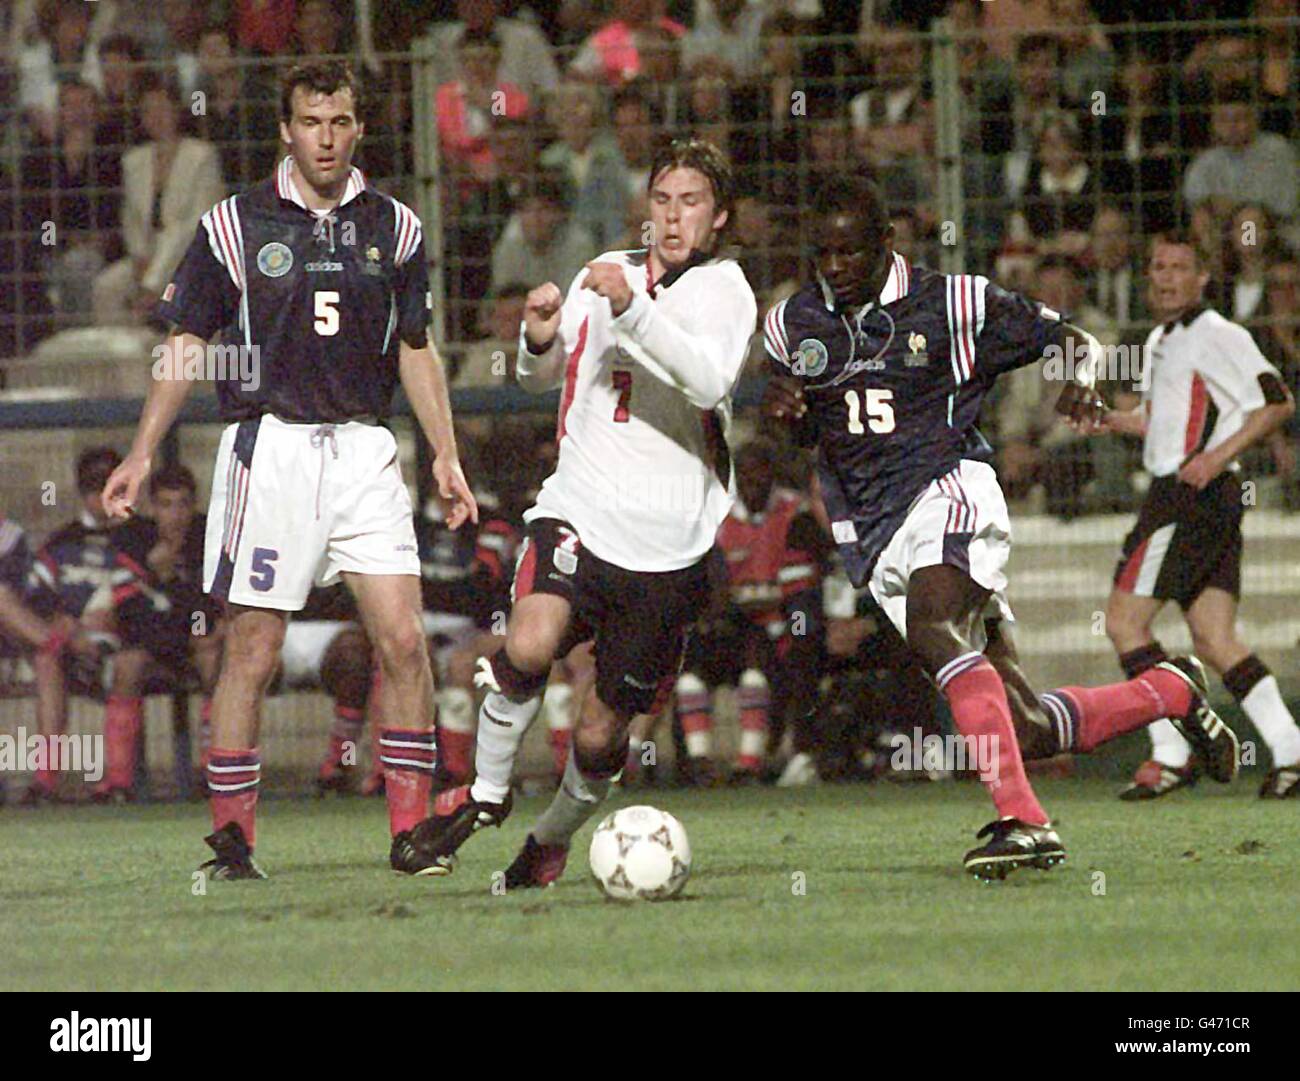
column 401, row 647
column 129, row 668
column 935, row 643
column 531, row 646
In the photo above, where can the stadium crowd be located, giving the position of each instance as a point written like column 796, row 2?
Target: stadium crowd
column 1080, row 135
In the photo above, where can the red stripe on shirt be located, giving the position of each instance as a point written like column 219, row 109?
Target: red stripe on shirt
column 1196, row 416
column 571, row 379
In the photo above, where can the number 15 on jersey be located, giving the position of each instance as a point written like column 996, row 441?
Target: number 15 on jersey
column 879, row 410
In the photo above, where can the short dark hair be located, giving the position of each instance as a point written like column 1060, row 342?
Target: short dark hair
column 854, row 194
column 170, row 477
column 93, row 467
column 691, row 152
column 159, row 82
column 319, row 77
column 1181, row 238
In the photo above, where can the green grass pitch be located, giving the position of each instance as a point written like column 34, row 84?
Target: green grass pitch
column 834, row 887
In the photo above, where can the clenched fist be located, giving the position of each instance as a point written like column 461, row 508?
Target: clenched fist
column 542, row 316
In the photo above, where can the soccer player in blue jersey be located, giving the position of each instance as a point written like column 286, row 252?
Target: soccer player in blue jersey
column 319, row 283
column 884, row 366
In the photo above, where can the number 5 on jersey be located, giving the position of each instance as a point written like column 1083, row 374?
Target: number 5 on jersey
column 326, row 312
column 880, row 413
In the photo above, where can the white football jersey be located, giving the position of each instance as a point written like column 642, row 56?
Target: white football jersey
column 644, row 473
column 1204, row 380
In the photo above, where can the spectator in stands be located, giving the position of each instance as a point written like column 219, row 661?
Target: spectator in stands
column 62, row 50
column 1279, row 68
column 1061, row 191
column 662, row 72
column 780, row 70
column 1140, row 158
column 613, row 53
column 170, row 182
column 526, row 58
column 317, row 29
column 1251, row 247
column 474, row 219
column 465, row 106
column 542, row 242
column 987, row 89
column 1113, row 286
column 1038, row 99
column 119, row 122
column 264, row 27
column 769, row 259
column 1218, row 62
column 1244, row 164
column 709, row 108
column 185, row 23
column 70, row 206
column 635, row 132
column 491, row 362
column 1089, row 61
column 81, row 574
column 1035, row 444
column 729, row 31
column 1278, row 338
column 587, row 154
column 892, row 120
column 235, row 119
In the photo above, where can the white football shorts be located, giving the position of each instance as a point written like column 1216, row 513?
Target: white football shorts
column 961, row 519
column 295, row 505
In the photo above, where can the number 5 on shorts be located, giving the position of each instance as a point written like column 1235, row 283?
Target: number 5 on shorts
column 263, row 576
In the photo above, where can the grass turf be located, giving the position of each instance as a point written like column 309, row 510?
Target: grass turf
column 1190, row 892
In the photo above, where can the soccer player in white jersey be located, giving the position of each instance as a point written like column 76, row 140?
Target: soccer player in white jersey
column 1210, row 395
column 647, row 346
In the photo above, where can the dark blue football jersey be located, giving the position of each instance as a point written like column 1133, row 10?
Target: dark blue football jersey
column 323, row 300
column 15, row 556
column 894, row 389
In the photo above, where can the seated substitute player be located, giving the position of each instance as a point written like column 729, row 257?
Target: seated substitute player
column 80, row 572
column 321, row 283
column 185, row 637
column 764, row 639
column 1210, row 395
column 46, row 642
column 648, row 345
column 884, row 367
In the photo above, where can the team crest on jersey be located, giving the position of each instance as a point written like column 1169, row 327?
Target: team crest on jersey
column 275, row 260
column 810, row 358
column 918, row 357
column 372, row 266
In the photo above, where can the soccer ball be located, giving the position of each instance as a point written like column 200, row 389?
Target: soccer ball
column 640, row 853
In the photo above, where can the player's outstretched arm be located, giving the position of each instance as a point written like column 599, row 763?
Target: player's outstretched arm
column 425, row 383
column 539, row 365
column 167, row 394
column 702, row 358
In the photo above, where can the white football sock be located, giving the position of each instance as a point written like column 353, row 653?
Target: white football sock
column 1268, row 713
column 502, row 725
column 575, row 801
column 1167, row 746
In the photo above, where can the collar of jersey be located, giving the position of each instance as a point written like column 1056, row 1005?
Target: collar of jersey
column 896, row 286
column 1187, row 318
column 286, row 188
column 669, row 276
